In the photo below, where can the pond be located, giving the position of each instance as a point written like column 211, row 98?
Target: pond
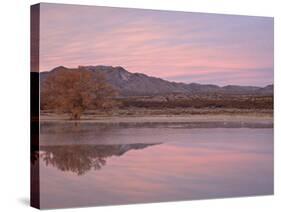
column 90, row 164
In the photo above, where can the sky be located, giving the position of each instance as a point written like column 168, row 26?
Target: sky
column 176, row 46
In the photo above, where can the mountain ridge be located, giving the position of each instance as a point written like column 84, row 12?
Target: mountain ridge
column 138, row 84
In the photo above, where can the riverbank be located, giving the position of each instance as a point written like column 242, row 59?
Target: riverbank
column 204, row 116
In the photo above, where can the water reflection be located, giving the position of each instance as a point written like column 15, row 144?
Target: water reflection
column 121, row 133
column 98, row 164
column 80, row 159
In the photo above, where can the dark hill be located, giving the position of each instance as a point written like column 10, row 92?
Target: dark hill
column 137, row 84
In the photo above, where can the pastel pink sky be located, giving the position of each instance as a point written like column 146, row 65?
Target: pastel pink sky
column 177, row 46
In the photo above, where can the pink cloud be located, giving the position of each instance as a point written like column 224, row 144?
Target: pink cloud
column 160, row 44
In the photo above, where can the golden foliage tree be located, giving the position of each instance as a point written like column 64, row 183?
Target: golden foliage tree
column 75, row 90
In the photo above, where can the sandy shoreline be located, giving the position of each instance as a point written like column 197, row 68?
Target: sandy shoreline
column 249, row 118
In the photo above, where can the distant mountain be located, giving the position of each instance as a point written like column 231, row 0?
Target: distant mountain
column 266, row 90
column 137, row 84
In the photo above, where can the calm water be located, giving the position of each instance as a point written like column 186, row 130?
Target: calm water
column 90, row 164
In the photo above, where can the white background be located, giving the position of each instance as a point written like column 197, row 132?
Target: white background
column 14, row 103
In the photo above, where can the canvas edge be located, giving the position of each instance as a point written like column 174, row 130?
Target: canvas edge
column 34, row 106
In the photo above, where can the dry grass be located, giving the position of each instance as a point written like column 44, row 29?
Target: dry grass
column 211, row 102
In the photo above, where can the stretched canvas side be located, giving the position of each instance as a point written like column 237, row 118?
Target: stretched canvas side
column 34, row 113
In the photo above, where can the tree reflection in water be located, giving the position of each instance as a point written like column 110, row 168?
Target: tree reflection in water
column 82, row 158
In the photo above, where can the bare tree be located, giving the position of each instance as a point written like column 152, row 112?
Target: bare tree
column 76, row 90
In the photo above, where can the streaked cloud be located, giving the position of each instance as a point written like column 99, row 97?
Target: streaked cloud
column 180, row 46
